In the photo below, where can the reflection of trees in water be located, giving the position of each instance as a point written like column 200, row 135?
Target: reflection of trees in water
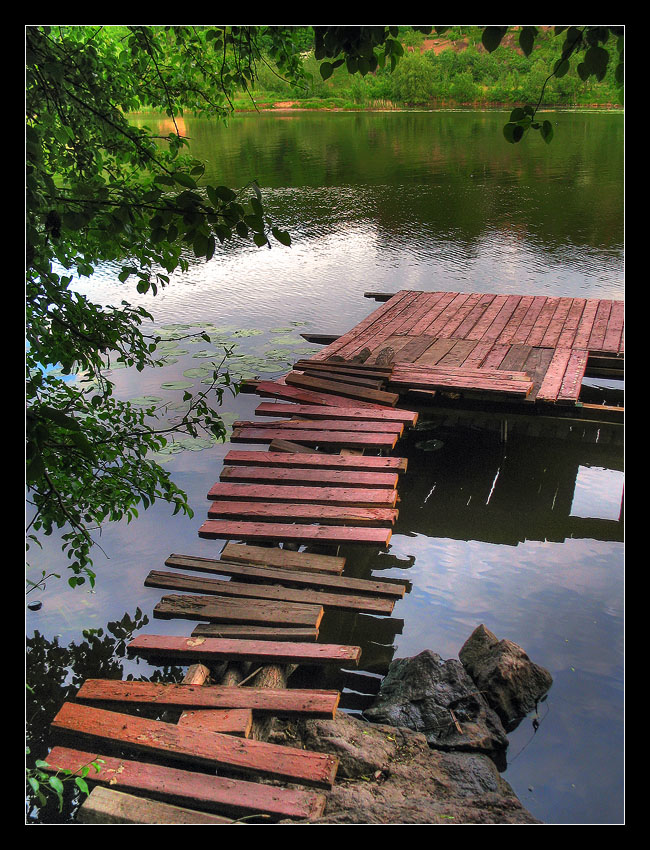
column 442, row 173
column 54, row 674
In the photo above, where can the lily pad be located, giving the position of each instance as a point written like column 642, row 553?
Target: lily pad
column 176, row 385
column 146, row 400
column 287, row 340
column 248, row 332
column 200, row 372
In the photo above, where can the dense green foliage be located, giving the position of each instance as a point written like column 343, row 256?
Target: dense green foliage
column 454, row 68
column 100, row 188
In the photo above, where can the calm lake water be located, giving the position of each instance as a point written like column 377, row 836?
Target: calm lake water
column 522, row 535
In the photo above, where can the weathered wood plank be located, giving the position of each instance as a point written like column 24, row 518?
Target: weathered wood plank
column 360, row 496
column 361, row 426
column 297, row 379
column 201, row 607
column 209, row 650
column 246, row 611
column 275, row 389
column 294, row 702
column 355, row 414
column 554, row 375
column 346, row 378
column 345, row 367
column 300, row 475
column 107, row 806
column 572, row 381
column 283, row 558
column 236, row 797
column 314, row 437
column 236, row 721
column 365, row 463
column 303, row 513
column 215, row 529
column 291, row 578
column 247, row 632
column 86, row 723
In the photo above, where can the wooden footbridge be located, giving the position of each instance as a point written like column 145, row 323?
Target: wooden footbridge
column 325, row 476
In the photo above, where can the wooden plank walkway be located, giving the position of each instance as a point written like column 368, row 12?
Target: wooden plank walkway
column 326, row 478
column 547, row 338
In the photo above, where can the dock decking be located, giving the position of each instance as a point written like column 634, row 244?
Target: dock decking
column 524, row 347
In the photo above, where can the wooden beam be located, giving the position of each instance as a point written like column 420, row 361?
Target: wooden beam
column 286, row 702
column 302, row 513
column 365, row 463
column 228, row 630
column 358, row 496
column 353, row 414
column 387, row 399
column 345, row 584
column 207, row 650
column 314, row 437
column 330, row 535
column 343, row 599
column 302, row 476
column 272, row 557
column 239, row 798
column 108, row 806
column 246, row 611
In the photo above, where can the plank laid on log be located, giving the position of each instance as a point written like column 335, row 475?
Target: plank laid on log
column 285, row 702
column 255, row 632
column 314, row 437
column 244, row 611
column 283, row 558
column 301, row 475
column 342, row 599
column 274, row 389
column 288, row 447
column 360, row 370
column 212, row 750
column 302, row 513
column 353, row 414
column 296, row 379
column 216, row 529
column 107, row 806
column 208, row 650
column 362, row 463
column 359, row 496
column 236, row 721
column 345, row 378
column 368, row 587
column 236, row 797
column 333, row 424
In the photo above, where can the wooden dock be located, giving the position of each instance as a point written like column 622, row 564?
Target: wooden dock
column 320, row 474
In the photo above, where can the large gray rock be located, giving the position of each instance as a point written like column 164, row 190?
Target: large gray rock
column 511, row 683
column 439, row 699
column 390, row 775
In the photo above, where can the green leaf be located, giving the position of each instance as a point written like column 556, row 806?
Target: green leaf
column 561, row 67
column 547, row 132
column 56, row 784
column 513, row 132
column 527, row 39
column 326, row 70
column 281, row 235
column 492, row 37
column 82, row 785
column 184, row 180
